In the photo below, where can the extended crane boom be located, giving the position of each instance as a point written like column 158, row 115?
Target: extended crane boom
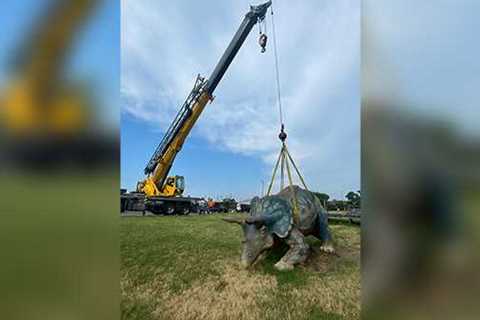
column 157, row 183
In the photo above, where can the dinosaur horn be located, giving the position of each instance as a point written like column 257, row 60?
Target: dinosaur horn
column 258, row 220
column 237, row 220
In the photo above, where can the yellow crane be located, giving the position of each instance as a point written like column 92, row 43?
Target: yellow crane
column 38, row 101
column 163, row 193
column 45, row 116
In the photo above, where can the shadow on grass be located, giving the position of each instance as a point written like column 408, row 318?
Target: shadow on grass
column 318, row 265
column 296, row 278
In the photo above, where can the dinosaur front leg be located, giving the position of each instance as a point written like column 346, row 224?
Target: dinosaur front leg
column 297, row 253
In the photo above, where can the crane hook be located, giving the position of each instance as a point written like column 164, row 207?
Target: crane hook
column 283, row 135
column 262, row 41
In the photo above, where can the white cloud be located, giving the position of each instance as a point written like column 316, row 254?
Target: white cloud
column 165, row 44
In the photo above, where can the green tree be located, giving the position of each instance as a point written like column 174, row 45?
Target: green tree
column 323, row 197
column 354, row 199
column 230, row 204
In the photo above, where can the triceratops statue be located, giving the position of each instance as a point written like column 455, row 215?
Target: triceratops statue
column 271, row 220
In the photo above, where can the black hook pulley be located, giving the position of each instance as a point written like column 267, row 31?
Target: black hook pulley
column 282, row 135
column 262, row 41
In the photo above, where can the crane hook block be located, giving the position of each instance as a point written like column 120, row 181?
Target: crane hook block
column 283, row 135
column 262, row 41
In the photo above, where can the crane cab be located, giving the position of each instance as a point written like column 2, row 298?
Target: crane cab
column 173, row 186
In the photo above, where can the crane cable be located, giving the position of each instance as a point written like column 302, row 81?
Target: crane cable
column 284, row 156
column 277, row 72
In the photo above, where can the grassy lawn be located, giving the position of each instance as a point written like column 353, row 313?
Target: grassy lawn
column 188, row 268
column 60, row 245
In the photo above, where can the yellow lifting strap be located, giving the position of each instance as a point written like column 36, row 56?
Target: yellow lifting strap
column 284, row 158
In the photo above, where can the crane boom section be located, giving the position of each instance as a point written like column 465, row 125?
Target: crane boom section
column 161, row 161
column 165, row 162
column 256, row 14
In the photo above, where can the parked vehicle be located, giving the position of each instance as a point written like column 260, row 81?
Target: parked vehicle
column 243, row 207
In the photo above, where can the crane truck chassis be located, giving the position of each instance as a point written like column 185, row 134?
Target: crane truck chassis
column 160, row 193
column 137, row 201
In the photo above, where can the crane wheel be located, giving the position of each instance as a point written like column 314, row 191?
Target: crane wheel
column 170, row 210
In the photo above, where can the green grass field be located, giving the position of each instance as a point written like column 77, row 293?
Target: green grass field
column 187, row 267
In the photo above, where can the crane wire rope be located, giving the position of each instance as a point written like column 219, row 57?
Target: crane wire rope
column 284, row 156
column 277, row 71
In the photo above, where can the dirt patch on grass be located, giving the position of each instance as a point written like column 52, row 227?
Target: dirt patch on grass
column 232, row 295
column 322, row 262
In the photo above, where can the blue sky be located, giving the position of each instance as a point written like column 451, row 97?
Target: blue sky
column 234, row 144
column 96, row 54
column 212, row 166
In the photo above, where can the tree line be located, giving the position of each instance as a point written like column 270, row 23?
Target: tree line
column 352, row 201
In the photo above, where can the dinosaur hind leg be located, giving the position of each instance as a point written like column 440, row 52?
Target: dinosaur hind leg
column 322, row 232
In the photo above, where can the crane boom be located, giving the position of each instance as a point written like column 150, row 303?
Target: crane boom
column 256, row 14
column 39, row 99
column 161, row 161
